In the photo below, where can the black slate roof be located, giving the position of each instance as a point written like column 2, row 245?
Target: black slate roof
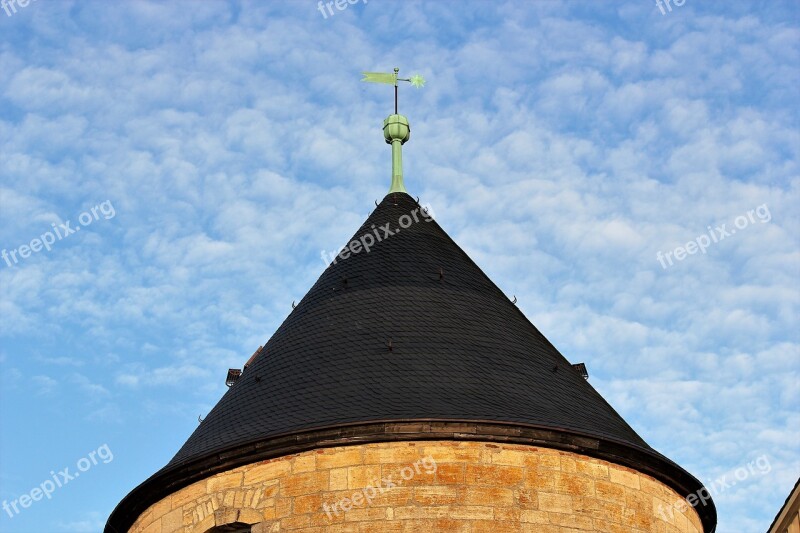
column 460, row 350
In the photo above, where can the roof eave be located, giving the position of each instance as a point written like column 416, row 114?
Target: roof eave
column 647, row 461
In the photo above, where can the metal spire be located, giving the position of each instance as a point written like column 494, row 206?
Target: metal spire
column 396, row 129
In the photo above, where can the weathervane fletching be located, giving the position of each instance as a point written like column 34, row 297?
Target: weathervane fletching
column 380, row 77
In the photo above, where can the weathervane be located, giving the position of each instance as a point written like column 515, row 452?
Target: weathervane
column 391, row 79
column 396, row 130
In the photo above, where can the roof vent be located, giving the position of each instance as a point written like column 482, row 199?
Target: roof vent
column 580, row 368
column 233, row 376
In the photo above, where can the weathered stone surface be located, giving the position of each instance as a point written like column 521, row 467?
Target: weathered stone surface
column 461, row 486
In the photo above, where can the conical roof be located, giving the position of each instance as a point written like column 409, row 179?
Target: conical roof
column 408, row 331
column 461, row 350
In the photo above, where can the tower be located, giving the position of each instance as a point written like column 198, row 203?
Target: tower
column 406, row 392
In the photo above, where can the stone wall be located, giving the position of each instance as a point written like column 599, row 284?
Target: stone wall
column 458, row 486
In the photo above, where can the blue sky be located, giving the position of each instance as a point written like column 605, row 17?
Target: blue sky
column 563, row 145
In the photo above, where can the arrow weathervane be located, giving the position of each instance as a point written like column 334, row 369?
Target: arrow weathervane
column 391, row 79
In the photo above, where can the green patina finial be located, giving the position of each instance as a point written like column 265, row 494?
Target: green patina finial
column 396, row 130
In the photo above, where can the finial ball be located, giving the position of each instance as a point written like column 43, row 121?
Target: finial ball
column 396, row 128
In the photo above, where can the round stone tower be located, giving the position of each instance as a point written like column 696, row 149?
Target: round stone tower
column 405, row 392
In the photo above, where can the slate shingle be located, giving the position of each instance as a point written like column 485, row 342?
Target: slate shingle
column 460, row 351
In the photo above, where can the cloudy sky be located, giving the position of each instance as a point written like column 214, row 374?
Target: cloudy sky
column 190, row 161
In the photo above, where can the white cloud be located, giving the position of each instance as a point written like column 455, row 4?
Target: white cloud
column 44, row 385
column 561, row 150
